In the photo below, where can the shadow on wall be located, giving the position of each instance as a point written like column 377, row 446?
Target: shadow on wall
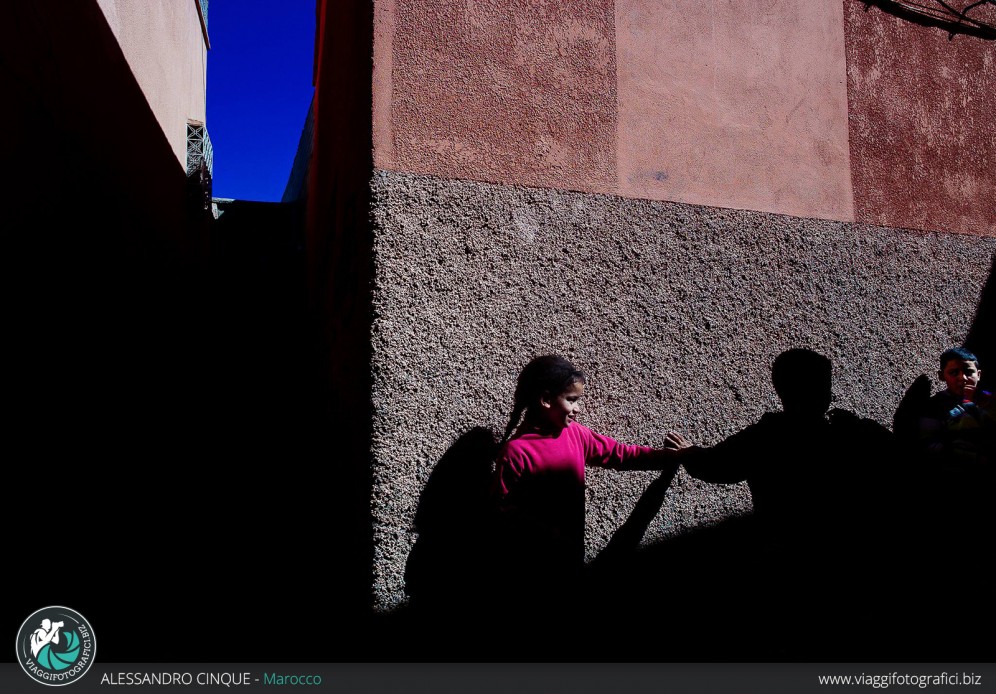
column 855, row 552
column 970, row 20
column 981, row 339
column 848, row 530
column 448, row 571
column 478, row 582
column 767, row 587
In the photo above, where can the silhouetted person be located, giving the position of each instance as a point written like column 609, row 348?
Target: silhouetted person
column 447, row 574
column 787, row 458
column 816, row 480
column 906, row 421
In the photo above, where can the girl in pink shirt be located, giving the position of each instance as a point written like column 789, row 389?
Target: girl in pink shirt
column 539, row 479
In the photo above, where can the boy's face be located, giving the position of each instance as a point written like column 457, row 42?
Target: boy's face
column 958, row 373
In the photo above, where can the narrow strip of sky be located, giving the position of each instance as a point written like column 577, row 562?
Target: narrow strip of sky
column 258, row 92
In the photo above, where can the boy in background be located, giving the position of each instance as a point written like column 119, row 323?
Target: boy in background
column 958, row 425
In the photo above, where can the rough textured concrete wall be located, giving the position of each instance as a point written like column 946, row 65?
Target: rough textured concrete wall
column 735, row 104
column 164, row 45
column 675, row 311
column 513, row 92
column 923, row 146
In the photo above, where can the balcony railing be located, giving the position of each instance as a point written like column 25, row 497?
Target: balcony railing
column 199, row 148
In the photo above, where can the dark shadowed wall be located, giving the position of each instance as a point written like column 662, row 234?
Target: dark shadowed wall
column 339, row 269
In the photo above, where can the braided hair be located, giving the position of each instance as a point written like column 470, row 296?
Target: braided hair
column 550, row 374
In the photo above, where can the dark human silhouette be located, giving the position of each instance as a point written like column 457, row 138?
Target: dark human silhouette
column 794, row 460
column 819, row 484
column 906, row 421
column 447, row 573
column 626, row 539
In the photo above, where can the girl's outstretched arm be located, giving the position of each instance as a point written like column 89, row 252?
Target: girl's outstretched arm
column 605, row 451
column 665, row 458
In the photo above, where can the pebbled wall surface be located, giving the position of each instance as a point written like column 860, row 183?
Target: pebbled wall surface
column 674, row 311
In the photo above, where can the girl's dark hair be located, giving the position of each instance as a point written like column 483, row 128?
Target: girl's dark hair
column 549, row 374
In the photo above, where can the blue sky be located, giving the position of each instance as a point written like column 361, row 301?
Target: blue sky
column 258, row 92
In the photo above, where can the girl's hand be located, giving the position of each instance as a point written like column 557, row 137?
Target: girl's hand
column 675, row 441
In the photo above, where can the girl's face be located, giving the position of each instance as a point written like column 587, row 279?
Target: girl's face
column 559, row 411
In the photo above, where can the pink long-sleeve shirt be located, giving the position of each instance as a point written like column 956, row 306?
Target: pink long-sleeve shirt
column 563, row 454
column 540, row 477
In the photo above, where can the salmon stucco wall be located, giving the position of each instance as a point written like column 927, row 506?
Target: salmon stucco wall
column 923, row 136
column 735, row 104
column 513, row 92
column 163, row 43
column 739, row 105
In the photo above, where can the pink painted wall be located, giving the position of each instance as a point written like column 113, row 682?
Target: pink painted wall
column 734, row 104
column 163, row 43
column 514, row 92
column 730, row 103
column 923, row 109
